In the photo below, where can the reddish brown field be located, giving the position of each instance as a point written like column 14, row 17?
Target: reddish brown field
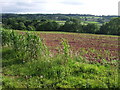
column 90, row 46
column 94, row 45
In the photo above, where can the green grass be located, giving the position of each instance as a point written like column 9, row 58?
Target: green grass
column 61, row 22
column 52, row 72
column 56, row 32
column 62, row 70
column 89, row 17
column 91, row 22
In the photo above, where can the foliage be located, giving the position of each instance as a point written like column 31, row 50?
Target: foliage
column 112, row 27
column 73, row 23
column 30, row 28
column 90, row 28
column 26, row 46
column 41, row 70
column 48, row 26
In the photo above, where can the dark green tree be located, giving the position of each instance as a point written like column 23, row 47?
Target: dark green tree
column 21, row 26
column 28, row 22
column 90, row 28
column 112, row 27
column 48, row 26
column 15, row 26
column 72, row 25
column 30, row 28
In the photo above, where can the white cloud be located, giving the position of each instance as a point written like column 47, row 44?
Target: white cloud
column 101, row 6
column 97, row 7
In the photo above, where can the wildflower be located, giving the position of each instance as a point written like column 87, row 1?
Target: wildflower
column 51, row 55
column 41, row 76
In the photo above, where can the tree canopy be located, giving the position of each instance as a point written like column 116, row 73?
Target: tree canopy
column 112, row 27
column 71, row 25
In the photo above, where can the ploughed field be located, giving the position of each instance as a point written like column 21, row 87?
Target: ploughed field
column 92, row 47
column 59, row 60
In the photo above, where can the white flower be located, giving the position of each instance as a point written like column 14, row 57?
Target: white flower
column 41, row 76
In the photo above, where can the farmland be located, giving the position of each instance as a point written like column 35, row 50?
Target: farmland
column 107, row 25
column 59, row 60
column 105, row 46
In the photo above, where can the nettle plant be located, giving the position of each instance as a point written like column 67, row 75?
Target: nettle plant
column 66, row 49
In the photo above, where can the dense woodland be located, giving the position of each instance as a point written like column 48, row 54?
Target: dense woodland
column 72, row 23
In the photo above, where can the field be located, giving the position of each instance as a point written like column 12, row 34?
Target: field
column 61, row 22
column 89, row 42
column 59, row 60
column 92, row 22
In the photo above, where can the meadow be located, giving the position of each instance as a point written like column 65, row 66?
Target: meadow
column 59, row 60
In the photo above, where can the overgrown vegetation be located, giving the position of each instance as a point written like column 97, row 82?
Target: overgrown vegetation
column 27, row 63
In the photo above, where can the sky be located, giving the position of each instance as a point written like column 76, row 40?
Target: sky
column 94, row 7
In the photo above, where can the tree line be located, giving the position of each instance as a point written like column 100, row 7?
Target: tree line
column 71, row 25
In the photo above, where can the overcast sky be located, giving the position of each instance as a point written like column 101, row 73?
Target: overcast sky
column 96, row 7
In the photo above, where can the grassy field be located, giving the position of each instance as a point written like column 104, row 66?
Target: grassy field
column 82, row 22
column 89, row 17
column 59, row 60
column 61, row 22
column 91, row 22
